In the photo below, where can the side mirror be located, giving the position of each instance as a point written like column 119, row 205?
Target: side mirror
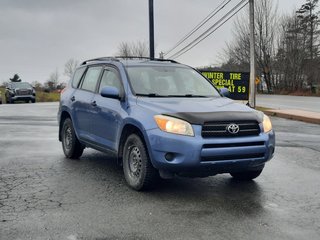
column 110, row 92
column 224, row 92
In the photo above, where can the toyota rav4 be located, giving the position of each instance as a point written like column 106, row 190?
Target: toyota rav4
column 161, row 118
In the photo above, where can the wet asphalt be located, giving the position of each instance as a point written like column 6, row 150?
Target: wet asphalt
column 45, row 196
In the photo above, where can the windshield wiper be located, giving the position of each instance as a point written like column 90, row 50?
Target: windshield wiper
column 181, row 96
column 150, row 95
column 189, row 96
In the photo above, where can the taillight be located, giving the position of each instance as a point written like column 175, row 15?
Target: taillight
column 63, row 90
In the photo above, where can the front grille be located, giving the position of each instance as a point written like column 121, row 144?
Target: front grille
column 219, row 129
column 228, row 145
column 232, row 157
column 23, row 92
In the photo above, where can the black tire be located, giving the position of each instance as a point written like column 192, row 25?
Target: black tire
column 138, row 170
column 71, row 146
column 33, row 101
column 246, row 176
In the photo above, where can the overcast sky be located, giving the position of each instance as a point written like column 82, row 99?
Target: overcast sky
column 39, row 36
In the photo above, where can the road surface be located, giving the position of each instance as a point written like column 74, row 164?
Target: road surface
column 45, row 196
column 289, row 102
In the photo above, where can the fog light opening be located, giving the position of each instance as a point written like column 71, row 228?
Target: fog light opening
column 169, row 156
column 272, row 150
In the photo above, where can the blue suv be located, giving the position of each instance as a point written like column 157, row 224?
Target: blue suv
column 161, row 119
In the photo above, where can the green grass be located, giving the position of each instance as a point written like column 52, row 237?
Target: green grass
column 47, row 97
column 262, row 109
column 40, row 96
column 2, row 91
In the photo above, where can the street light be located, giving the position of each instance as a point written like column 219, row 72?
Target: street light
column 151, row 29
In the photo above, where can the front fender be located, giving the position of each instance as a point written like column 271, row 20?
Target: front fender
column 140, row 126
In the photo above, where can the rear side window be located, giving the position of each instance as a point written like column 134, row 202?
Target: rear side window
column 77, row 76
column 91, row 79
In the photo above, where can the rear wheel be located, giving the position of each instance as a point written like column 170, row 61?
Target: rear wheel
column 138, row 170
column 247, row 175
column 72, row 148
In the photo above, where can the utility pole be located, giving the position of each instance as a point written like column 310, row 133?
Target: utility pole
column 252, row 94
column 151, row 29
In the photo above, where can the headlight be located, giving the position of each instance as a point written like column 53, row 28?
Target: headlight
column 174, row 125
column 267, row 126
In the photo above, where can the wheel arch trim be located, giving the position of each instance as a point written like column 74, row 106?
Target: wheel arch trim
column 64, row 114
column 130, row 127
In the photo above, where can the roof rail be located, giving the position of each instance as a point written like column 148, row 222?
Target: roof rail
column 146, row 58
column 100, row 59
column 116, row 58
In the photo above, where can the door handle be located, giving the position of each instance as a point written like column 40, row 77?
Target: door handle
column 94, row 103
column 72, row 98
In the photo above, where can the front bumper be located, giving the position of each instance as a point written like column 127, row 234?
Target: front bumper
column 22, row 97
column 209, row 156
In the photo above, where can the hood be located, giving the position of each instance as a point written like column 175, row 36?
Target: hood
column 200, row 110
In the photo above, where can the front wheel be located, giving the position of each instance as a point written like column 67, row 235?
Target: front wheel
column 72, row 148
column 138, row 170
column 247, row 175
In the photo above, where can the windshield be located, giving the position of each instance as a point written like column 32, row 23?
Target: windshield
column 20, row 85
column 169, row 81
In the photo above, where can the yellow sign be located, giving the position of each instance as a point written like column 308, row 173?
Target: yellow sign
column 236, row 82
column 257, row 80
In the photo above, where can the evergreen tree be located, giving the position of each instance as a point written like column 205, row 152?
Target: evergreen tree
column 15, row 78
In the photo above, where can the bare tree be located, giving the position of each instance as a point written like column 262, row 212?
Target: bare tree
column 238, row 51
column 37, row 85
column 140, row 49
column 134, row 49
column 53, row 80
column 266, row 28
column 124, row 49
column 291, row 54
column 70, row 67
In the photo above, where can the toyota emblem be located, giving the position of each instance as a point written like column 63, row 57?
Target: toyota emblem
column 233, row 128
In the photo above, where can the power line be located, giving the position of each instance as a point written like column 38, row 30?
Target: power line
column 212, row 29
column 196, row 28
column 205, row 34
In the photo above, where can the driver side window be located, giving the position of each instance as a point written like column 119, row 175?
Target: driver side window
column 110, row 78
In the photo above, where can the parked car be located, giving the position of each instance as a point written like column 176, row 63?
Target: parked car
column 20, row 91
column 161, row 118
